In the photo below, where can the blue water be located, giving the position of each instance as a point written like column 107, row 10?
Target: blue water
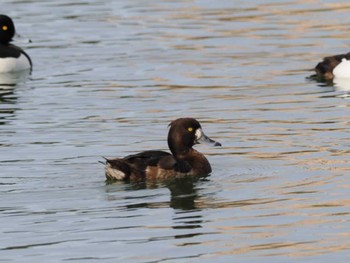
column 109, row 76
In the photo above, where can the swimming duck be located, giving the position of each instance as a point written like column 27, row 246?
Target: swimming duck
column 337, row 66
column 12, row 58
column 182, row 161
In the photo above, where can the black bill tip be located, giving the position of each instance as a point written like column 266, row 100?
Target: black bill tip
column 217, row 144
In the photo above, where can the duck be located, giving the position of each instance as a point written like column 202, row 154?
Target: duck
column 332, row 67
column 182, row 160
column 12, row 58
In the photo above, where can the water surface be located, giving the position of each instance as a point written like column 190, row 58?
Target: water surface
column 108, row 78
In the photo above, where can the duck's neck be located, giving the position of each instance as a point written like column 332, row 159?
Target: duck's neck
column 179, row 149
column 196, row 160
column 183, row 153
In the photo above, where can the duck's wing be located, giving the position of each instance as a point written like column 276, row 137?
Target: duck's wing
column 161, row 159
column 136, row 165
column 147, row 157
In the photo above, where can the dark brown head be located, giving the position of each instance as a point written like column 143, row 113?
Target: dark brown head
column 7, row 29
column 184, row 133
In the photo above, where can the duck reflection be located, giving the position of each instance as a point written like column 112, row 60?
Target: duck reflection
column 8, row 83
column 187, row 218
column 336, row 84
column 342, row 84
column 7, row 99
column 11, row 79
column 183, row 192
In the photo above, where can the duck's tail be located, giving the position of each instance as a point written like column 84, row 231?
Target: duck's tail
column 117, row 169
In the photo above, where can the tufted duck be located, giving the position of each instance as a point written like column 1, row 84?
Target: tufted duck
column 183, row 160
column 12, row 58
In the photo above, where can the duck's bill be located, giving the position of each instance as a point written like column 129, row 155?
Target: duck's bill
column 202, row 138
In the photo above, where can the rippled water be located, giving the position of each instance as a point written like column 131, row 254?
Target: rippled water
column 110, row 75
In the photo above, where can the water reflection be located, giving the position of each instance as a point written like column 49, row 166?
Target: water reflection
column 183, row 193
column 342, row 85
column 7, row 99
column 187, row 219
column 8, row 83
column 12, row 78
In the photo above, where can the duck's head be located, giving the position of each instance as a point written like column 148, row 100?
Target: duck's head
column 7, row 29
column 184, row 133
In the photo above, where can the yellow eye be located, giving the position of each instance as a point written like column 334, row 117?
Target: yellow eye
column 4, row 28
column 190, row 129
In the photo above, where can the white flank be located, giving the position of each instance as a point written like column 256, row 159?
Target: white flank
column 14, row 64
column 114, row 173
column 342, row 70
